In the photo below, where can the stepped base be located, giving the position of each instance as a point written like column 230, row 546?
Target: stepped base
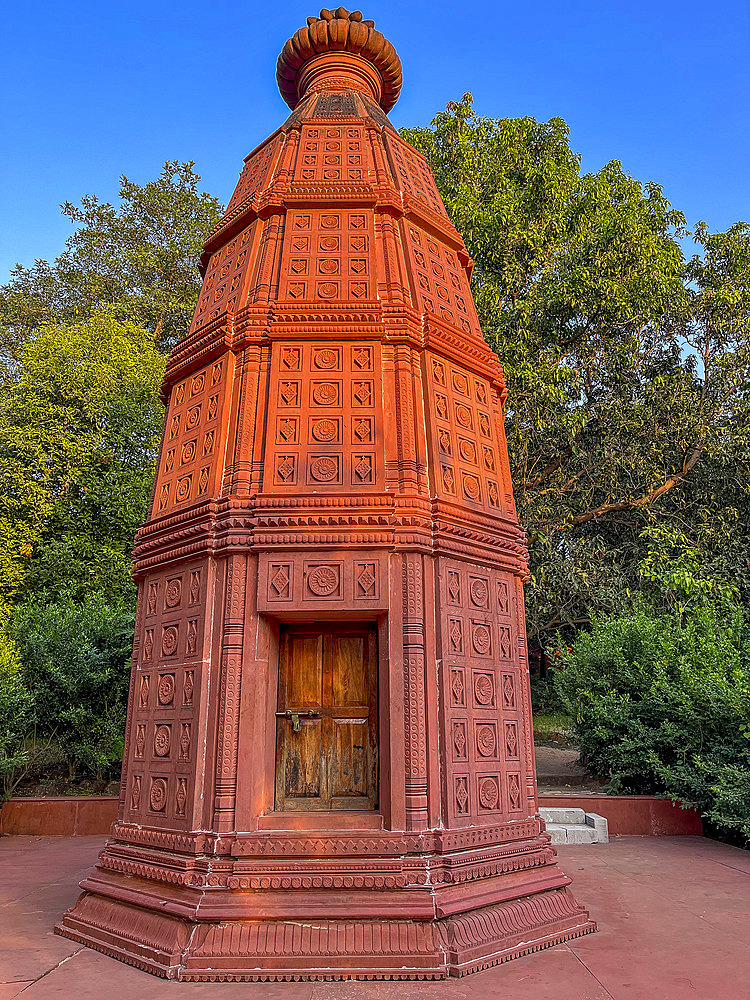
column 177, row 948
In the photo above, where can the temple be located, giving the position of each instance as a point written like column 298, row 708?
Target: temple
column 329, row 763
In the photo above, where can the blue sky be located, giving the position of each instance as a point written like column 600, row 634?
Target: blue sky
column 92, row 90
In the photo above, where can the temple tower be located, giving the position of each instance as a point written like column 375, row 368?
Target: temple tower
column 329, row 766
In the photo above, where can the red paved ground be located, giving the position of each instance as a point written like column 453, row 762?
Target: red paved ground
column 673, row 913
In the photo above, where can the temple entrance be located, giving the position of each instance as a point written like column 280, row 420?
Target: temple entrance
column 326, row 733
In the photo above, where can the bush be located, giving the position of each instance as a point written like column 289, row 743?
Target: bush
column 75, row 663
column 545, row 697
column 662, row 705
column 15, row 721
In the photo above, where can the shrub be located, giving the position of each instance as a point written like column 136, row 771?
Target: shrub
column 663, row 705
column 15, row 721
column 75, row 662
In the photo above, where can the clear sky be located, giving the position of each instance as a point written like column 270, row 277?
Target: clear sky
column 92, row 90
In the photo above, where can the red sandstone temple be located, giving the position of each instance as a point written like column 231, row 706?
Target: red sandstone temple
column 329, row 766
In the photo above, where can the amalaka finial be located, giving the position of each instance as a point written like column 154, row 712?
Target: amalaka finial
column 339, row 51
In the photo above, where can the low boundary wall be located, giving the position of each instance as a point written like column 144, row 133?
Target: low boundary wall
column 640, row 815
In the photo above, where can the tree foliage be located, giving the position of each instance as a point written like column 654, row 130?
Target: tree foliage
column 138, row 259
column 80, row 424
column 662, row 704
column 627, row 366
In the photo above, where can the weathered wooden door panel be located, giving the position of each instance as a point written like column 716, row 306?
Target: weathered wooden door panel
column 326, row 747
column 302, row 765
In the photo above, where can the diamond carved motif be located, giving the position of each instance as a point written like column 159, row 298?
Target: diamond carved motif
column 509, row 691
column 511, row 740
column 289, row 392
column 459, row 740
column 363, row 469
column 462, row 796
column 363, row 392
column 285, row 468
column 280, row 582
column 288, row 430
column 366, row 580
column 455, row 635
column 457, row 686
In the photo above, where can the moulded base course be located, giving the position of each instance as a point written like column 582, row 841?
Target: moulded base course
column 176, row 948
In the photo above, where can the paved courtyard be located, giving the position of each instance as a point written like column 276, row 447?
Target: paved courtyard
column 673, row 914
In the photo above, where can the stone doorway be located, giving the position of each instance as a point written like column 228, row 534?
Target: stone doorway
column 326, row 732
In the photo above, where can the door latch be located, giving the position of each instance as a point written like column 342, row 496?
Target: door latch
column 294, row 715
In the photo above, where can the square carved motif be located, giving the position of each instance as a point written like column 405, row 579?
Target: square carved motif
column 325, row 430
column 488, row 792
column 483, row 689
column 486, row 743
column 327, row 358
column 173, row 592
column 165, row 690
column 479, row 591
column 323, row 580
column 326, row 393
column 328, row 289
column 481, row 639
column 325, row 470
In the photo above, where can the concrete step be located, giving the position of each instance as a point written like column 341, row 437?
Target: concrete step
column 574, row 826
column 575, row 833
column 562, row 816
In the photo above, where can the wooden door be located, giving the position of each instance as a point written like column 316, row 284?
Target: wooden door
column 326, row 733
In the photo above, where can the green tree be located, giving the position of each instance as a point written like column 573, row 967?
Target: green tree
column 626, row 365
column 139, row 259
column 80, row 423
